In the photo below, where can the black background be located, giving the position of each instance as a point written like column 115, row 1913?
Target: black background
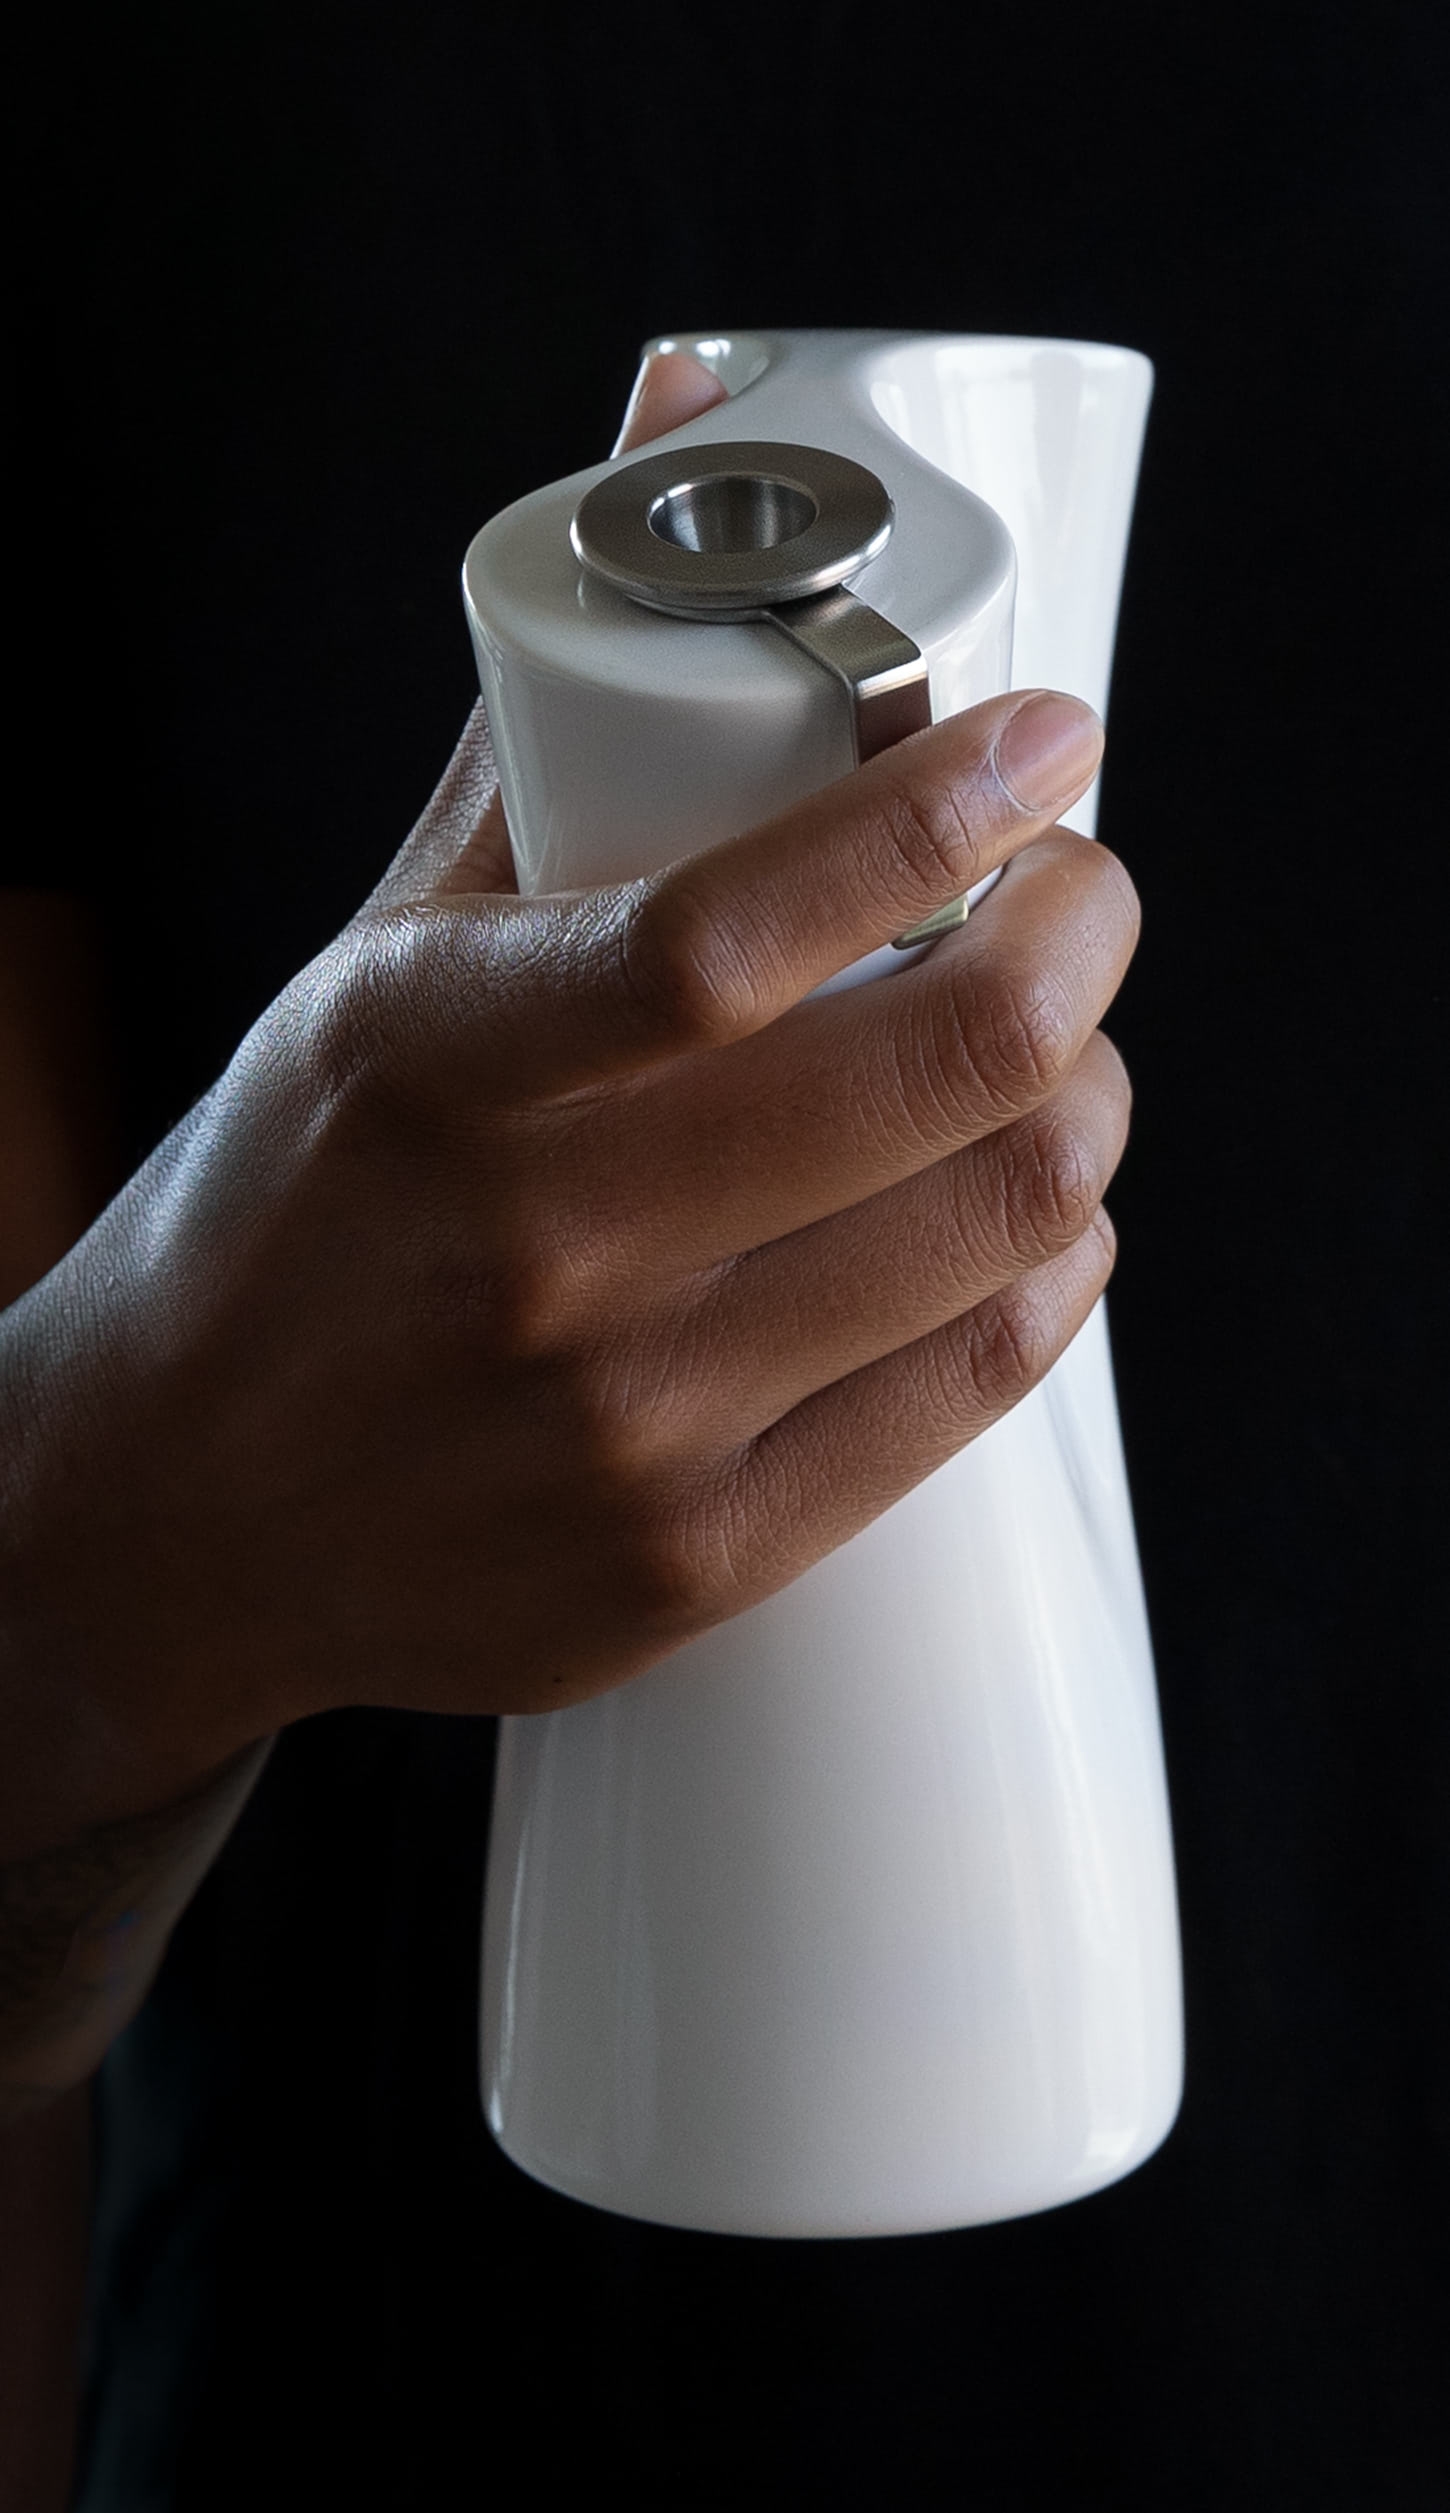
column 312, row 292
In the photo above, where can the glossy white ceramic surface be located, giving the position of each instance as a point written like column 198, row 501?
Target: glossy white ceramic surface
column 857, row 1915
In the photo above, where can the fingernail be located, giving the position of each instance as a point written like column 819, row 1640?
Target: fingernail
column 1048, row 750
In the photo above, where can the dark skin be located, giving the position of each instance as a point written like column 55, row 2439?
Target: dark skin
column 553, row 1269
column 544, row 1282
column 556, row 1270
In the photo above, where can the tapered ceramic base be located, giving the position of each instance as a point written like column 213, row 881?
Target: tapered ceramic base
column 857, row 1915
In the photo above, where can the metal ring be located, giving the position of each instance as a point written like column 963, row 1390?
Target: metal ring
column 724, row 531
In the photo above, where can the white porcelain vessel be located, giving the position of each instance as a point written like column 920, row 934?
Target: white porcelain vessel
column 857, row 1915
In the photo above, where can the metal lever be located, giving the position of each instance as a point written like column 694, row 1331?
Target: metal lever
column 757, row 531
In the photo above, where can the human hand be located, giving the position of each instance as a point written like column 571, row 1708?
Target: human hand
column 546, row 1280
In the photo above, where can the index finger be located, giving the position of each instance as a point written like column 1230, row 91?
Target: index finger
column 714, row 948
column 720, row 945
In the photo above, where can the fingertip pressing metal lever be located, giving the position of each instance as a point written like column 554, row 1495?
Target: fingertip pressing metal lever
column 763, row 531
column 885, row 673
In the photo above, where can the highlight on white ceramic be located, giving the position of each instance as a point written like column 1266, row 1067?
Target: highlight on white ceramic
column 857, row 1915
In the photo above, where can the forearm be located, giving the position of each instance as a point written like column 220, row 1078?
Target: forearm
column 83, row 1928
column 72, row 1966
column 105, row 1830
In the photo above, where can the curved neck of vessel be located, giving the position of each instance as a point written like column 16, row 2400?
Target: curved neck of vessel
column 1048, row 433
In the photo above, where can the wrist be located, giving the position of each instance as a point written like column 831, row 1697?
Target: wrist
column 108, row 1706
column 83, row 1928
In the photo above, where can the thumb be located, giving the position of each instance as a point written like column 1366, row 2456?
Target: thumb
column 670, row 388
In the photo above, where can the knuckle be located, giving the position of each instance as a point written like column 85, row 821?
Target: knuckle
column 683, row 971
column 1022, row 1036
column 679, row 1565
column 344, row 1017
column 1009, row 1347
column 622, row 1430
column 532, row 1297
column 1053, row 1189
column 528, row 1315
column 364, row 1010
column 927, row 828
